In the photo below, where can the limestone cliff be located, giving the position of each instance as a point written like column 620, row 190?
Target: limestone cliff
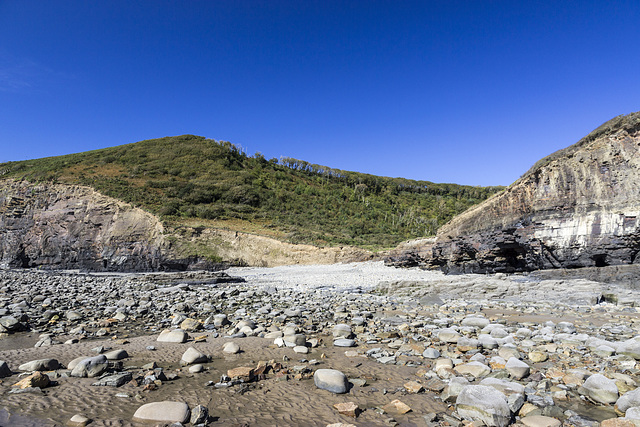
column 578, row 207
column 59, row 226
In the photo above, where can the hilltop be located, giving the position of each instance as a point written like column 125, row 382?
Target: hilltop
column 193, row 185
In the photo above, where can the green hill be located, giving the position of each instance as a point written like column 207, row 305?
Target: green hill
column 191, row 180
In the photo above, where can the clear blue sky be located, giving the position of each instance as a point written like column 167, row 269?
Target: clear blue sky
column 471, row 92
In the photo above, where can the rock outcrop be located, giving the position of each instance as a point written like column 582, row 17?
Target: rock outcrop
column 73, row 227
column 60, row 226
column 579, row 207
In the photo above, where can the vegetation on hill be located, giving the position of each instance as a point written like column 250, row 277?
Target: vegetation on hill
column 188, row 178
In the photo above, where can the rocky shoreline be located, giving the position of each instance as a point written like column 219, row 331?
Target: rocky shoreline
column 359, row 344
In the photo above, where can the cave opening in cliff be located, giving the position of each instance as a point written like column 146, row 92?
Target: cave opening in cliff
column 513, row 258
column 600, row 260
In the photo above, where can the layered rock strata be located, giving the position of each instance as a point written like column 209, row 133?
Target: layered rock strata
column 579, row 207
column 74, row 227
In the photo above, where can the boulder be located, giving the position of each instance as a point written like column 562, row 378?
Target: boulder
column 91, row 367
column 483, row 403
column 331, row 380
column 517, row 368
column 40, row 365
column 37, row 379
column 192, row 356
column 230, row 348
column 176, row 336
column 601, row 389
column 162, row 412
column 628, row 400
column 4, row 369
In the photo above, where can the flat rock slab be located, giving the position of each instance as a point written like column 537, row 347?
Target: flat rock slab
column 116, row 355
column 115, row 380
column 244, row 373
column 176, row 336
column 163, row 412
column 396, row 407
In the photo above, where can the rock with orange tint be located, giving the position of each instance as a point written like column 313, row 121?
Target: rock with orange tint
column 37, row 379
column 349, row 409
column 396, row 407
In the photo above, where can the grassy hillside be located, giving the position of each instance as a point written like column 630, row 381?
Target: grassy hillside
column 191, row 180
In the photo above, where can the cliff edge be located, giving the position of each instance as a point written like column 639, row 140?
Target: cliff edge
column 578, row 207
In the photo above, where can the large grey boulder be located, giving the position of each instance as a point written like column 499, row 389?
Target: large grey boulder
column 294, row 340
column 483, row 403
column 10, row 323
column 475, row 321
column 517, row 368
column 331, row 380
column 163, row 412
column 91, row 367
column 628, row 400
column 342, row 330
column 630, row 348
column 40, row 365
column 448, row 335
column 504, row 386
column 192, row 356
column 451, row 391
column 601, row 389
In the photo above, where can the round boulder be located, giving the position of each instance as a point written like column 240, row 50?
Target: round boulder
column 483, row 403
column 601, row 389
column 331, row 380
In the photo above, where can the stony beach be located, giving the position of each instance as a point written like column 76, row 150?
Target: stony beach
column 360, row 344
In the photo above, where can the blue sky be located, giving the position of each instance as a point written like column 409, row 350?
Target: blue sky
column 471, row 92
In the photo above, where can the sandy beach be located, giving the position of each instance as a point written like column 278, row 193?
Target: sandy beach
column 393, row 316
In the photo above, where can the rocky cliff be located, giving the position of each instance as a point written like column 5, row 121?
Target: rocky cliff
column 70, row 227
column 59, row 226
column 578, row 207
